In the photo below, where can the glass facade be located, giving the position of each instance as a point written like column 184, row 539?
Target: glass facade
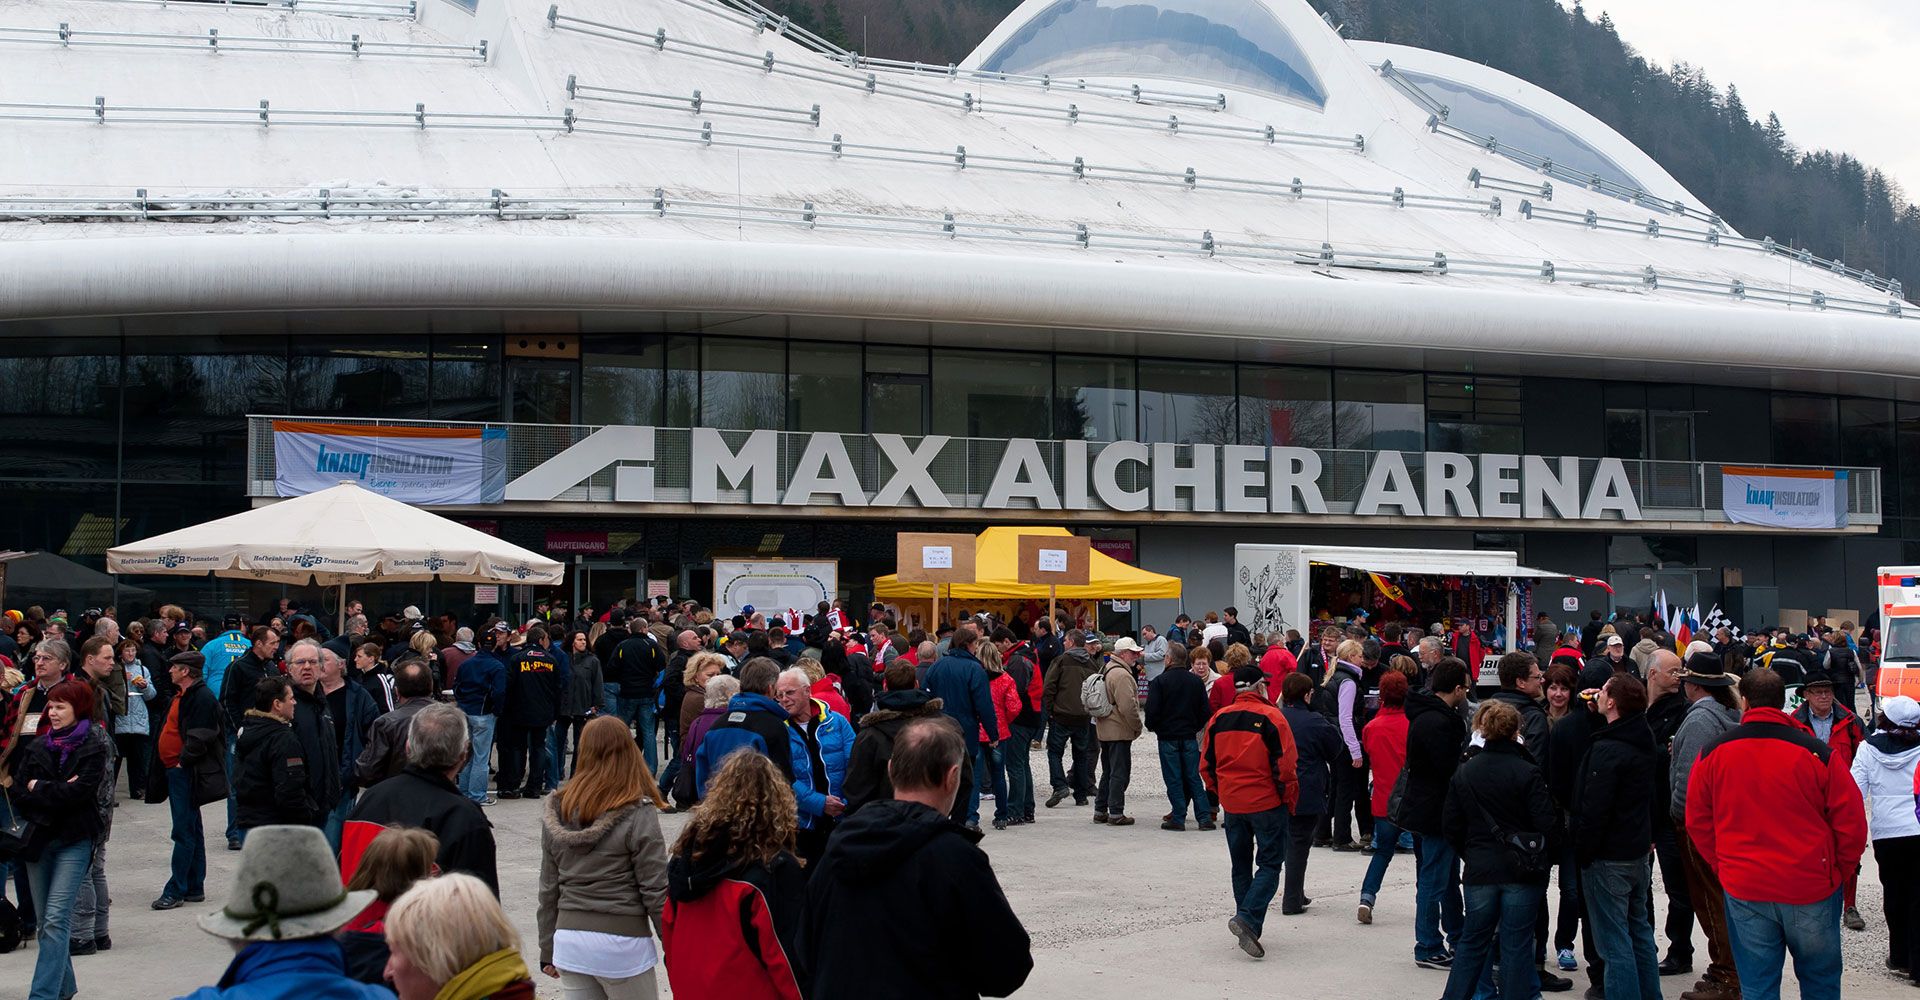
column 1237, row 44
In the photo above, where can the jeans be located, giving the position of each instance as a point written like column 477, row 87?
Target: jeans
column 1293, row 893
column 1436, row 901
column 473, row 780
column 1673, row 874
column 1081, row 777
column 638, row 713
column 1503, row 915
column 189, row 839
column 90, row 899
column 1116, row 772
column 1383, row 833
column 336, row 820
column 1762, row 933
column 233, row 767
column 993, row 757
column 1617, row 896
column 1256, row 875
column 1016, row 754
column 523, row 754
column 56, row 877
column 1180, row 771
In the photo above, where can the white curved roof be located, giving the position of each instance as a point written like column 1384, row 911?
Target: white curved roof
column 586, row 127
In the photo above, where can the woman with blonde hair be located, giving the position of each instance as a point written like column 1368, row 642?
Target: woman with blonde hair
column 392, row 863
column 603, row 870
column 735, row 890
column 1343, row 699
column 451, row 941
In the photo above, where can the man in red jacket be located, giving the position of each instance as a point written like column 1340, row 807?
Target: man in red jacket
column 1248, row 760
column 1775, row 813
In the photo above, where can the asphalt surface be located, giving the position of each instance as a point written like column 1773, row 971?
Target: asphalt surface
column 1155, row 926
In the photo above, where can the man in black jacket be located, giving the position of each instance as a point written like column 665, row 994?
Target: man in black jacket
column 1177, row 710
column 636, row 666
column 424, row 796
column 236, row 696
column 1522, row 685
column 903, row 702
column 535, row 679
column 1236, row 631
column 270, row 783
column 1666, row 708
column 1320, row 754
column 386, row 750
column 903, row 888
column 1435, row 738
column 313, row 725
column 1613, row 824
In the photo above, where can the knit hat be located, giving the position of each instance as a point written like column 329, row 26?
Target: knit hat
column 287, row 887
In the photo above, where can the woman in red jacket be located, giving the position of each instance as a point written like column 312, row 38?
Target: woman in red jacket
column 735, row 891
column 1385, row 741
column 1004, row 692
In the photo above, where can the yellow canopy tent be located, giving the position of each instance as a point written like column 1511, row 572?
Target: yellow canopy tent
column 996, row 554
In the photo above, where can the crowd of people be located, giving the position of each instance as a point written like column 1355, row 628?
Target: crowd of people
column 837, row 773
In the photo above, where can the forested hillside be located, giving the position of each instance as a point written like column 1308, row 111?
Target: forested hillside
column 1740, row 160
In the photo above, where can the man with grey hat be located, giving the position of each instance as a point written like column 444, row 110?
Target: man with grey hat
column 1712, row 709
column 285, row 905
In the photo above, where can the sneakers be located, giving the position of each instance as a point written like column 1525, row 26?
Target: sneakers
column 1366, row 913
column 1055, row 798
column 166, row 903
column 1442, row 961
column 1852, row 920
column 999, row 824
column 1567, row 964
column 1249, row 941
column 489, row 801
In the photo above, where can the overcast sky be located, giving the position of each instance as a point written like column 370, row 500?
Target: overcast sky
column 1836, row 71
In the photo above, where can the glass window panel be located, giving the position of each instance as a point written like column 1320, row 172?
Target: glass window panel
column 1488, row 114
column 997, row 394
column 359, row 377
column 1094, row 399
column 1474, row 439
column 1286, row 407
column 187, row 401
column 743, row 383
column 823, row 388
column 1626, row 434
column 1866, row 440
column 883, row 359
column 60, row 400
column 466, row 378
column 1187, row 402
column 623, row 379
column 683, row 381
column 1229, row 43
column 1806, row 429
column 1377, row 411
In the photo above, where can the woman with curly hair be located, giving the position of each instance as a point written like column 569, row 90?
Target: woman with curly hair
column 735, row 891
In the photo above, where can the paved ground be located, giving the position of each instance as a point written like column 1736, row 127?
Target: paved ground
column 1158, row 930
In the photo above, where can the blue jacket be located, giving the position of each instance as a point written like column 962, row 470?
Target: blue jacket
column 834, row 736
column 308, row 968
column 753, row 722
column 361, row 711
column 960, row 682
column 481, row 685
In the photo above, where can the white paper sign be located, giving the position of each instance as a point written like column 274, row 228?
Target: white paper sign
column 486, row 593
column 1121, row 607
column 1053, row 560
column 936, row 557
column 1569, row 604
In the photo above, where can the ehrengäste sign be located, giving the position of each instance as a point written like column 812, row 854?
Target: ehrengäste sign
column 1120, row 476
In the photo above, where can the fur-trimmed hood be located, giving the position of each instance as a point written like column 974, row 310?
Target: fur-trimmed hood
column 568, row 837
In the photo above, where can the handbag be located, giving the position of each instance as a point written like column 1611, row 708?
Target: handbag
column 15, row 832
column 1526, row 851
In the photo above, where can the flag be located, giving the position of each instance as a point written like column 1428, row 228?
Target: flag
column 1717, row 619
column 1682, row 633
column 1392, row 592
column 1587, row 581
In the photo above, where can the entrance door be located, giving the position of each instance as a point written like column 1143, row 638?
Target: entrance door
column 899, row 404
column 543, row 392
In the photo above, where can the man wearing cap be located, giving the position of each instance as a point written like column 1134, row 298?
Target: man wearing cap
column 1841, row 730
column 182, row 744
column 1776, row 814
column 1711, row 711
column 480, row 692
column 1612, row 655
column 1116, row 732
column 285, row 906
column 1248, row 760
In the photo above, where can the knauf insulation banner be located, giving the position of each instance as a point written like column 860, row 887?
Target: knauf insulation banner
column 1784, row 498
column 417, row 465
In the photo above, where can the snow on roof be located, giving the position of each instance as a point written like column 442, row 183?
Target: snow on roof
column 689, row 120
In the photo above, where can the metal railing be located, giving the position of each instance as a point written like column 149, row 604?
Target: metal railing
column 266, row 116
column 327, row 203
column 696, row 103
column 343, row 8
column 67, row 36
column 965, row 467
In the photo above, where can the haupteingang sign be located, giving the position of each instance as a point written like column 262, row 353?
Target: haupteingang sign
column 1201, row 478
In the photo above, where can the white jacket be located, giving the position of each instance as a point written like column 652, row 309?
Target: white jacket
column 1884, row 771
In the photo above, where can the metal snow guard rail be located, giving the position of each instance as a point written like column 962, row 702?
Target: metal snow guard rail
column 342, row 8
column 1672, row 491
column 67, row 36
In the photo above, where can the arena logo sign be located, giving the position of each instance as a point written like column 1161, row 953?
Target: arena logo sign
column 1123, row 476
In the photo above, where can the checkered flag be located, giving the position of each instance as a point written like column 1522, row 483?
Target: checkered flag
column 1717, row 619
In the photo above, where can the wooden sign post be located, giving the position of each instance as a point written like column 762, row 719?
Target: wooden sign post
column 924, row 557
column 1055, row 560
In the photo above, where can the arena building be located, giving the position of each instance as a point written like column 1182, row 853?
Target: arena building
column 643, row 283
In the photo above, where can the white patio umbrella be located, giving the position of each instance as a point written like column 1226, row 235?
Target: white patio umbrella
column 334, row 537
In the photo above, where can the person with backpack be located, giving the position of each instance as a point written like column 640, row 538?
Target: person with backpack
column 1067, row 713
column 1113, row 699
column 1024, row 728
column 754, row 721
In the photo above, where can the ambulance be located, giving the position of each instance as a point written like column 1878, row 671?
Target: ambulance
column 1899, row 631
